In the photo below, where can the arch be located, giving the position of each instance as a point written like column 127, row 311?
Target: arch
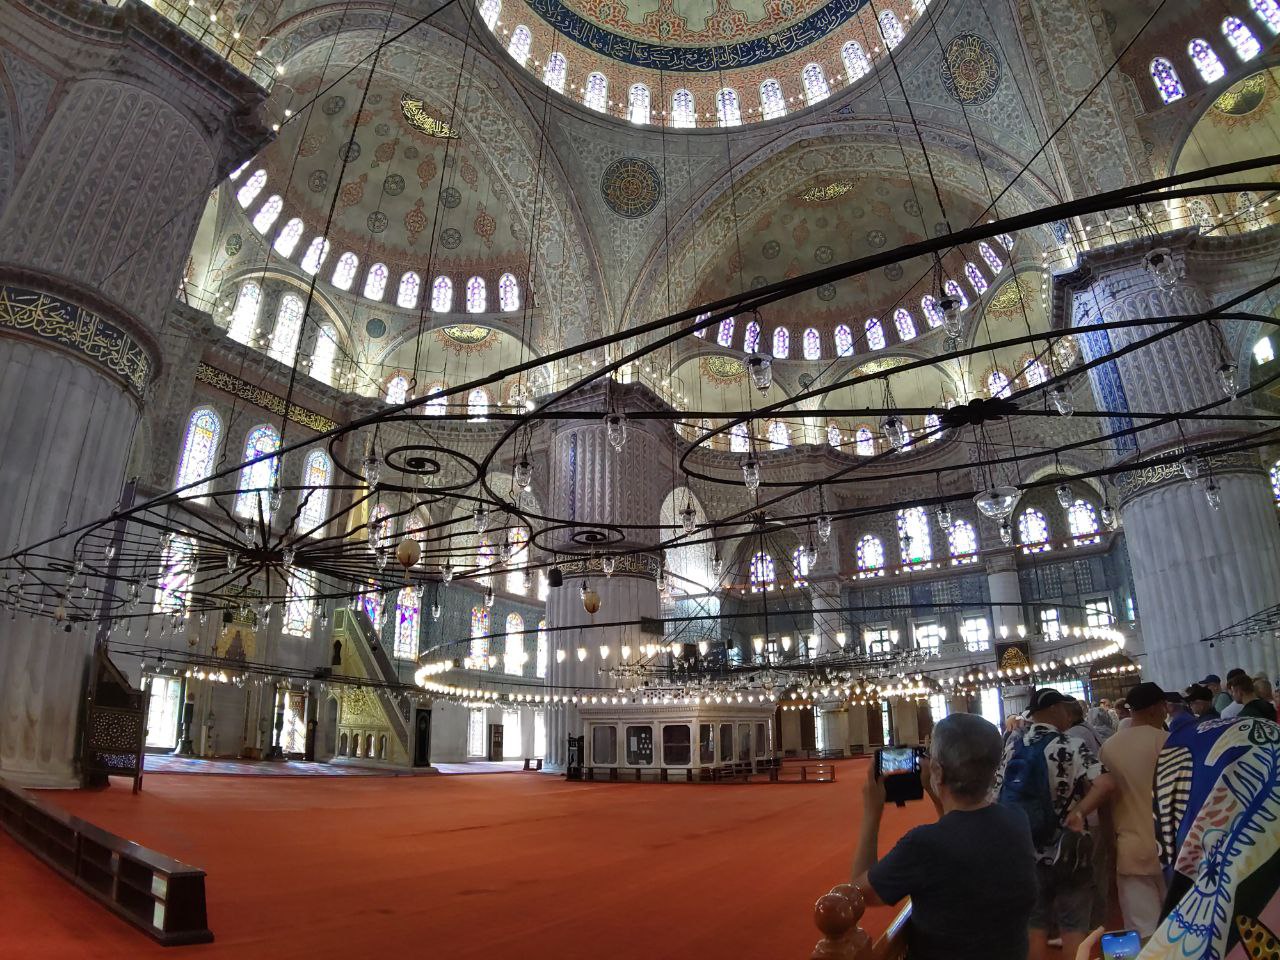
column 781, row 343
column 844, row 341
column 728, row 111
column 315, row 256
column 317, row 474
column 1206, row 60
column 864, row 442
column 1168, row 83
column 513, row 654
column 556, row 71
column 914, row 539
column 875, row 334
column 508, row 292
column 344, row 272
column 724, row 334
column 437, row 405
column 953, row 289
column 998, row 384
column 477, row 295
column 1241, row 38
column 905, row 324
column 1033, row 531
column 1247, row 210
column 772, row 102
column 811, row 344
column 343, row 744
column 638, row 103
column 288, row 237
column 751, row 338
column 856, row 62
column 479, row 637
column 891, row 29
column 250, row 189
column 405, row 646
column 199, row 451
column 963, row 540
column 1082, row 520
column 816, row 88
column 375, row 282
column 478, row 403
column 932, row 427
column 976, row 279
column 518, row 540
column 595, row 92
column 268, row 213
column 762, row 574
column 932, row 312
column 683, row 111
column 869, row 555
column 520, row 44
column 441, row 295
column 739, row 442
column 834, row 438
column 397, row 389
column 689, row 565
column 244, row 317
column 407, row 291
column 324, row 353
column 991, row 258
column 288, row 329
column 779, row 435
column 258, row 479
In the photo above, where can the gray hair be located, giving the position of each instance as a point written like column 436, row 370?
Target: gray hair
column 968, row 748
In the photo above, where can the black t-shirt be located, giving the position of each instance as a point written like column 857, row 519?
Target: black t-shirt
column 972, row 882
column 1262, row 709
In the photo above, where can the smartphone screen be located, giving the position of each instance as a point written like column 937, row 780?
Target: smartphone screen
column 896, row 760
column 1121, row 945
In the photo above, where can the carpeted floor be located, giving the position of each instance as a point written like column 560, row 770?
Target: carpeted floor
column 462, row 868
column 168, row 763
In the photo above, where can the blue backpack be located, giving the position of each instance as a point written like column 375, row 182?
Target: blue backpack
column 1026, row 786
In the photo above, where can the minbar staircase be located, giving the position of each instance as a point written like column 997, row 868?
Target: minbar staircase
column 354, row 627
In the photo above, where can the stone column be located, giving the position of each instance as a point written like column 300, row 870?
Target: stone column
column 130, row 123
column 1005, row 593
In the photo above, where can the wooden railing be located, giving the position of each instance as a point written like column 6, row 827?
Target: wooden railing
column 837, row 915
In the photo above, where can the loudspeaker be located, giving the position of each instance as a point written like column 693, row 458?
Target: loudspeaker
column 555, row 578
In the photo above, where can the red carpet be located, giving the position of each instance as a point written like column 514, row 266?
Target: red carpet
column 465, row 867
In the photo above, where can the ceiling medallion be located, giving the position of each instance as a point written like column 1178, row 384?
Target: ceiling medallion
column 466, row 337
column 1013, row 294
column 423, row 122
column 829, row 191
column 1244, row 97
column 970, row 69
column 880, row 365
column 722, row 370
column 631, row 187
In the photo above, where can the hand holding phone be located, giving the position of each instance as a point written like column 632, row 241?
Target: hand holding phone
column 1121, row 945
column 898, row 768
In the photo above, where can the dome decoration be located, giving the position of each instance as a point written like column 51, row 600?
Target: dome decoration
column 971, row 69
column 631, row 187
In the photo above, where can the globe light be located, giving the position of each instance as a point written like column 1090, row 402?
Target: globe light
column 1006, row 533
column 1191, row 466
column 1065, row 496
column 760, row 369
column 372, row 468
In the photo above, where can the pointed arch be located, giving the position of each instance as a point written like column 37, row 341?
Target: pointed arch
column 288, row 237
column 244, row 317
column 595, row 92
column 344, row 272
column 250, row 189
column 441, row 295
column 1168, row 83
column 477, row 295
column 288, row 329
column 638, row 103
column 556, row 71
column 728, row 111
column 772, row 102
column 875, row 334
column 520, row 44
column 199, row 451
column 375, row 282
column 317, row 475
column 258, row 479
column 508, row 292
column 856, row 62
column 816, row 88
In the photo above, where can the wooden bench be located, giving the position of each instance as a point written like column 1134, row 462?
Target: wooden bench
column 533, row 763
column 157, row 894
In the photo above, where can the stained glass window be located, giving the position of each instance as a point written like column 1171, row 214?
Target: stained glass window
column 913, row 536
column 284, row 338
column 1268, row 12
column 976, row 279
column 478, row 403
column 344, row 274
column 1034, row 372
column 870, row 557
column 397, row 389
column 701, row 331
column 317, row 473
column 1249, row 212
column 964, row 543
column 906, row 325
column 932, row 428
column 479, row 637
column 406, row 641
column 477, row 296
column 235, row 174
column 595, row 95
column 891, row 29
column 441, row 294
column 1005, row 240
column 266, row 216
column 521, row 41
column 728, row 113
column 1033, row 531
column 779, row 435
column 751, row 339
column 724, row 335
column 953, row 289
column 864, row 442
column 556, row 70
column 258, row 479
column 682, row 109
column 738, row 441
column 1275, row 481
column 407, row 294
column 437, row 405
column 1082, row 520
column 991, row 257
column 508, row 292
column 781, row 343
column 875, row 334
column 1241, row 38
column 315, row 256
column 998, row 384
column 833, row 434
column 772, row 103
column 812, row 345
column 250, row 189
column 856, row 63
column 244, row 318
column 519, row 542
column 1206, row 60
column 1168, row 83
column 815, row 84
column 371, row 604
column 513, row 655
column 174, row 584
column 932, row 312
column 375, row 283
column 199, row 451
column 489, row 11
column 287, row 239
column 638, row 103
column 800, row 566
column 299, row 608
column 762, row 572
column 844, row 341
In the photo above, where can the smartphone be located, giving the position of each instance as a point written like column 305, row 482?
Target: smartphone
column 899, row 769
column 1121, row 945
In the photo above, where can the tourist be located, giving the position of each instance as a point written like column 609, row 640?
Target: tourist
column 1055, row 780
column 1102, row 720
column 1122, row 713
column 1200, row 702
column 1177, row 714
column 1262, row 686
column 1233, row 706
column 1130, row 757
column 1080, row 729
column 975, row 861
column 1245, row 694
column 1220, row 697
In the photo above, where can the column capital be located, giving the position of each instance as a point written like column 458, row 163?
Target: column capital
column 1003, row 560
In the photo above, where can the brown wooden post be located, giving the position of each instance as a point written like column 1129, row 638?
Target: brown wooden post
column 837, row 914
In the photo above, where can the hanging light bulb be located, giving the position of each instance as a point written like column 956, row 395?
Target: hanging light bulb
column 751, row 474
column 810, row 555
column 689, row 518
column 608, row 564
column 446, row 572
column 895, row 431
column 1006, row 533
column 1065, row 496
column 582, row 655
column 1191, row 466
column 504, row 550
column 231, row 562
column 951, row 319
column 277, row 497
column 1060, row 394
column 523, row 474
column 1227, row 377
column 109, row 550
column 1213, row 493
column 615, row 425
column 944, row 517
column 488, row 597
column 823, row 525
column 372, row 468
column 1162, row 268
column 435, row 610
column 590, row 598
column 997, row 502
column 480, row 518
column 1108, row 516
column 287, row 556
column 760, row 369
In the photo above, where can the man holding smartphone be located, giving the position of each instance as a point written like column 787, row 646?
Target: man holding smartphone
column 971, row 875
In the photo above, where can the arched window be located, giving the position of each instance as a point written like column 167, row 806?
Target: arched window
column 1275, row 481
column 953, row 289
column 701, row 331
column 1034, row 372
column 1241, row 38
column 266, row 216
column 324, row 353
column 406, row 641
column 258, row 479
column 317, row 474
column 556, row 70
column 998, row 384
column 976, row 279
column 284, row 338
column 800, row 566
column 728, row 113
column 834, row 439
column 478, row 403
column 1248, row 210
column 174, row 584
column 1033, row 531
column 1206, row 60
column 397, row 389
column 1082, row 520
column 891, row 29
column 875, row 334
column 244, row 318
column 906, row 325
column 724, row 335
column 751, row 338
column 870, row 557
column 1168, row 83
column 250, row 189
column 1268, row 12
column 991, row 257
column 521, row 41
column 781, row 343
column 480, row 637
column 199, row 451
column 508, row 292
column 442, row 295
column 932, row 428
column 738, row 440
column 287, row 239
column 763, row 576
column 856, row 63
column 683, row 113
column 595, row 94
column 513, row 654
column 932, row 312
column 864, row 442
column 518, row 539
column 812, row 345
column 477, row 296
column 1263, row 351
column 964, row 543
column 235, row 174
column 844, row 341
column 779, row 435
column 375, row 284
column 913, row 536
column 815, row 84
column 314, row 258
column 489, row 11
column 772, row 103
column 437, row 404
column 638, row 103
column 344, row 274
column 407, row 293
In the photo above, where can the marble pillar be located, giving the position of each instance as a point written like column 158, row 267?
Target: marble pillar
column 1005, row 593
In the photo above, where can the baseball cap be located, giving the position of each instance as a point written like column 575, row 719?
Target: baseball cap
column 1211, row 678
column 1044, row 698
column 1145, row 695
column 1199, row 692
